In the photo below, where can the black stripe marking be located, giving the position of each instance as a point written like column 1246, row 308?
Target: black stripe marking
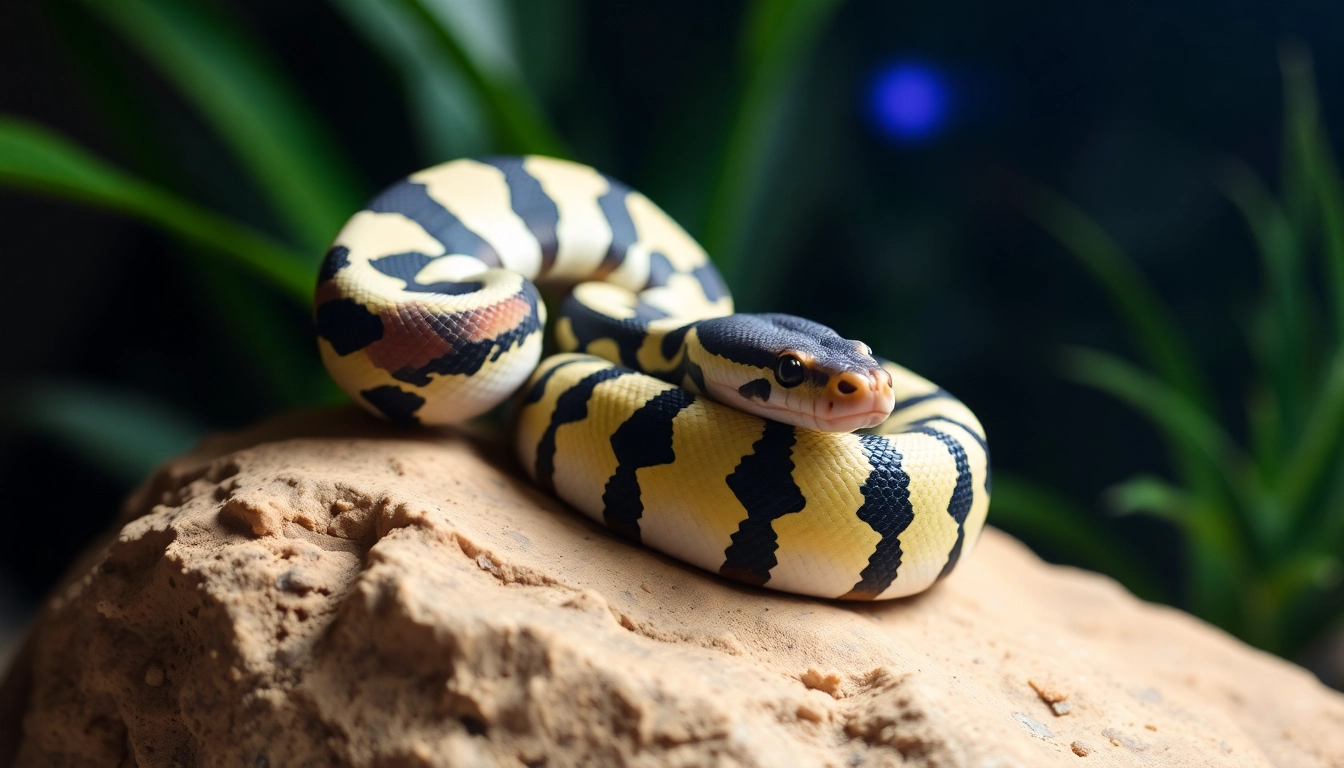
column 757, row 388
column 673, row 341
column 589, row 325
column 644, row 440
column 412, row 200
column 538, row 389
column 937, row 394
column 691, row 373
column 887, row 510
column 763, row 483
column 974, row 435
column 571, row 406
column 984, row 446
column 405, row 266
column 467, row 357
column 623, row 234
column 337, row 258
column 536, row 208
column 348, row 325
column 660, row 269
column 962, row 494
column 711, row 282
column 394, row 403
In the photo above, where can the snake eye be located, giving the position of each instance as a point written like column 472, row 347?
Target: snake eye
column 789, row 371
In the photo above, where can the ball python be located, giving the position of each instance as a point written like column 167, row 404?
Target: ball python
column 724, row 440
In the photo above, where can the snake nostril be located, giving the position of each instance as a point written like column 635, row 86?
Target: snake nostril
column 846, row 388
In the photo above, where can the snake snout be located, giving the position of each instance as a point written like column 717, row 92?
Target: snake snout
column 855, row 400
column 851, row 386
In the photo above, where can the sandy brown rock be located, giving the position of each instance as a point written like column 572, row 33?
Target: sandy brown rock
column 327, row 591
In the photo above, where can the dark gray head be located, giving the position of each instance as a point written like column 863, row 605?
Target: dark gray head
column 793, row 370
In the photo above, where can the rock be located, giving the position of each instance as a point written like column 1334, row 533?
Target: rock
column 326, row 590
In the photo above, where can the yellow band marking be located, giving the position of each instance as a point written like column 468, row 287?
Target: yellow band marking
column 823, row 549
column 583, row 232
column 696, row 512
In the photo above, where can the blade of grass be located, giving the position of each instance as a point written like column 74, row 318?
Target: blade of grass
column 34, row 158
column 1326, row 531
column 449, row 117
column 1155, row 332
column 1268, row 604
column 519, row 121
column 1308, row 466
column 1039, row 514
column 124, row 434
column 1282, row 262
column 259, row 334
column 1263, row 423
column 108, row 86
column 1314, row 156
column 1188, row 429
column 248, row 100
column 1176, row 415
column 271, row 341
column 777, row 40
column 1310, row 462
column 1148, row 495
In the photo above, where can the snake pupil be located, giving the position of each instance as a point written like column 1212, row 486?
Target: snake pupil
column 789, row 371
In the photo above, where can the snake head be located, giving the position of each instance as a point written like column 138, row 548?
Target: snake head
column 792, row 370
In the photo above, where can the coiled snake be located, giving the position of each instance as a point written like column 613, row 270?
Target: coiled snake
column 724, row 440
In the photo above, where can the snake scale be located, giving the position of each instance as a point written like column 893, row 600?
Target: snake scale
column 724, row 440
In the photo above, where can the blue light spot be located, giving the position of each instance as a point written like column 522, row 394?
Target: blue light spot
column 908, row 101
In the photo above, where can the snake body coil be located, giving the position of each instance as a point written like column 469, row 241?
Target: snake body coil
column 723, row 440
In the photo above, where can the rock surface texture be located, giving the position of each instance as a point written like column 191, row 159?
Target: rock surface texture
column 328, row 591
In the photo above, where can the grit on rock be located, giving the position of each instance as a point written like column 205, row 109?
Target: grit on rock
column 324, row 590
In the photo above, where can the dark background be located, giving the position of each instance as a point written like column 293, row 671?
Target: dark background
column 920, row 247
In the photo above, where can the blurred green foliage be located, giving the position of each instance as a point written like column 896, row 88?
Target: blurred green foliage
column 458, row 63
column 1263, row 524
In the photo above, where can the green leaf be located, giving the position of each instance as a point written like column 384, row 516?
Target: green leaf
column 1304, row 572
column 124, row 434
column 278, row 361
column 1149, row 495
column 1269, row 605
column 37, row 159
column 1158, row 337
column 520, row 123
column 1310, row 463
column 1325, row 530
column 249, row 101
column 777, row 41
column 1191, row 432
column 1040, row 514
column 448, row 114
column 1282, row 263
column 1265, row 426
column 1316, row 162
column 1180, row 419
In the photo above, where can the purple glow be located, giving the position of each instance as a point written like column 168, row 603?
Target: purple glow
column 908, row 101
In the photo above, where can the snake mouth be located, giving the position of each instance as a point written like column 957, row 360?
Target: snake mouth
column 824, row 415
column 851, row 422
column 848, row 422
